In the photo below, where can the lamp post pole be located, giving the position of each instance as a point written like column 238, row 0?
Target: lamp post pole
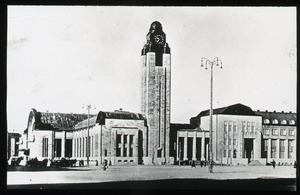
column 88, row 107
column 215, row 61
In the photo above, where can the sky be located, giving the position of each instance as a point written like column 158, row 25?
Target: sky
column 61, row 57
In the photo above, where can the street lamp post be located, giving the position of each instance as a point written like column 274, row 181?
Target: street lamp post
column 88, row 107
column 215, row 61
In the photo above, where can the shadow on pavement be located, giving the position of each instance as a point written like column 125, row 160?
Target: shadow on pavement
column 177, row 184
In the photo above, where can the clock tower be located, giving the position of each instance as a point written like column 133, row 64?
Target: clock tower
column 156, row 95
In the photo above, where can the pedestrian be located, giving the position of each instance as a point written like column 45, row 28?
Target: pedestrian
column 201, row 163
column 295, row 164
column 96, row 162
column 273, row 163
column 105, row 165
column 193, row 164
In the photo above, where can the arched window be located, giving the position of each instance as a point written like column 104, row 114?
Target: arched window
column 292, row 122
column 266, row 121
column 275, row 121
column 283, row 122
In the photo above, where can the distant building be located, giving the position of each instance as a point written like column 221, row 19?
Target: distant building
column 50, row 134
column 12, row 144
column 240, row 136
column 279, row 138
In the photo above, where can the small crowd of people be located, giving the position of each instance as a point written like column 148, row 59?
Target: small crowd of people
column 202, row 163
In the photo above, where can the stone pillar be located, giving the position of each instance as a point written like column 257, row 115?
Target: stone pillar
column 177, row 146
column 203, row 147
column 63, row 144
column 74, row 147
column 269, row 151
column 185, row 146
column 277, row 149
column 194, row 147
column 207, row 152
column 128, row 144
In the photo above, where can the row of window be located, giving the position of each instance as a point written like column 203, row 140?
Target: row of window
column 124, row 145
column 229, row 141
column 275, row 131
column 281, row 149
column 283, row 122
column 229, row 153
column 232, row 126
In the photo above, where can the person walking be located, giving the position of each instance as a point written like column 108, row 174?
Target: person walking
column 201, row 163
column 193, row 164
column 273, row 163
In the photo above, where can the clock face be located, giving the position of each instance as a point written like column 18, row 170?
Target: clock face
column 159, row 39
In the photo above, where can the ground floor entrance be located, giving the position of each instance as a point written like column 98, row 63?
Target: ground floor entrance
column 248, row 149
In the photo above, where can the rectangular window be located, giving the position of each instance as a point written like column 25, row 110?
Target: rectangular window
column 125, row 145
column 244, row 126
column 282, row 132
column 119, row 146
column 273, row 148
column 234, row 141
column 130, row 145
column 225, row 153
column 92, row 146
column 229, row 141
column 248, row 126
column 266, row 145
column 229, row 153
column 79, row 147
column 266, row 131
column 96, row 145
column 68, row 147
column 234, row 127
column 291, row 132
column 57, row 147
column 229, row 126
column 274, row 132
column 45, row 147
column 225, row 127
column 290, row 148
column 281, row 148
column 252, row 127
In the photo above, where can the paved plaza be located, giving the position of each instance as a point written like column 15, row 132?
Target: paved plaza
column 94, row 174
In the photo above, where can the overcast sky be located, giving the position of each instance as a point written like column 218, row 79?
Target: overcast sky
column 59, row 58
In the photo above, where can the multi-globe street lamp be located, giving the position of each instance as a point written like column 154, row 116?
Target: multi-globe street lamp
column 207, row 62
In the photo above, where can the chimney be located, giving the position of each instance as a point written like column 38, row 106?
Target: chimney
column 258, row 110
column 274, row 111
column 120, row 109
column 266, row 110
column 282, row 112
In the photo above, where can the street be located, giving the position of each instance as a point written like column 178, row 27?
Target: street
column 120, row 175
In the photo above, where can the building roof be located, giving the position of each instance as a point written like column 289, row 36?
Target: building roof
column 278, row 118
column 59, row 121
column 84, row 124
column 235, row 109
column 118, row 114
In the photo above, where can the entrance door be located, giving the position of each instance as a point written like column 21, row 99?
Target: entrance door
column 248, row 152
